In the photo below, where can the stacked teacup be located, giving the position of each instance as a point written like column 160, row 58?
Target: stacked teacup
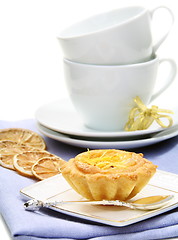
column 109, row 59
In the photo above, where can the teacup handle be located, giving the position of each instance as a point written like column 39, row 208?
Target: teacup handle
column 170, row 79
column 157, row 45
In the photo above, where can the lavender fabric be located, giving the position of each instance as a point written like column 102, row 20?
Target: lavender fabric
column 47, row 224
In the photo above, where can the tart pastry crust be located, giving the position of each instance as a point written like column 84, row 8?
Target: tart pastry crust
column 108, row 174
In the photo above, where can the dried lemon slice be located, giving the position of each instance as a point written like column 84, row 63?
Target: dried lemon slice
column 46, row 167
column 8, row 149
column 23, row 136
column 23, row 162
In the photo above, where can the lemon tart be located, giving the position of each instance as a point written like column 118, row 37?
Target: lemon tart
column 108, row 174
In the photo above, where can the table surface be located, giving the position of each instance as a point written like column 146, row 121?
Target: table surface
column 4, row 230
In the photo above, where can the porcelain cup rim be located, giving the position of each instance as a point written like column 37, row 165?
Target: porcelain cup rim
column 119, row 66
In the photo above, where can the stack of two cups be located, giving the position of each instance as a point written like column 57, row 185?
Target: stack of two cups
column 109, row 60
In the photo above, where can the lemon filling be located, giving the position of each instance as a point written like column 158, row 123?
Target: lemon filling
column 108, row 161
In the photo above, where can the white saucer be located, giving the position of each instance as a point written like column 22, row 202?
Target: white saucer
column 61, row 116
column 161, row 136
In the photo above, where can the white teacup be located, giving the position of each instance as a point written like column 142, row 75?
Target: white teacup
column 121, row 36
column 103, row 95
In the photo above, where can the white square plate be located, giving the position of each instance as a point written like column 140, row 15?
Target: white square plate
column 56, row 188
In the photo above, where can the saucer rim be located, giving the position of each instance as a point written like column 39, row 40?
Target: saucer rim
column 107, row 144
column 80, row 132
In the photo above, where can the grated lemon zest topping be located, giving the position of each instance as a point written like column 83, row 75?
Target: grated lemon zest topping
column 108, row 161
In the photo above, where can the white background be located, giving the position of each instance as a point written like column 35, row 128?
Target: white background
column 31, row 70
